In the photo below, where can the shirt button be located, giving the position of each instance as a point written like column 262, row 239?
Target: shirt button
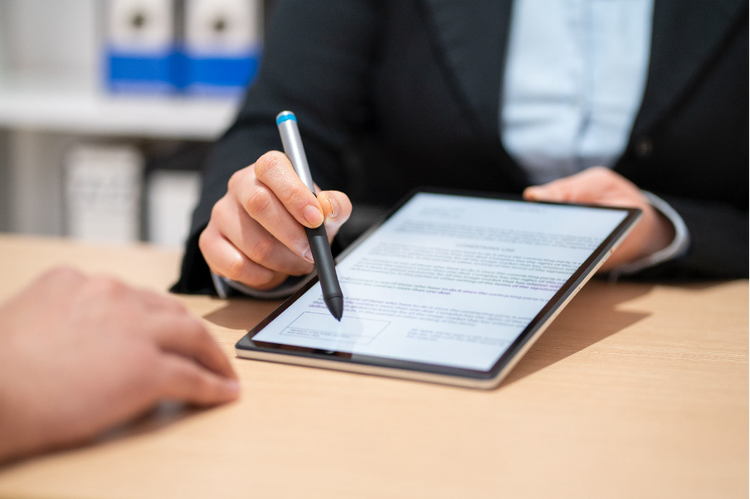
column 644, row 147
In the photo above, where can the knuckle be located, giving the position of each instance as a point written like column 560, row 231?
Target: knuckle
column 199, row 331
column 221, row 212
column 216, row 210
column 268, row 163
column 258, row 201
column 103, row 285
column 233, row 181
column 193, row 330
column 296, row 195
column 238, row 178
column 236, row 268
column 262, row 250
column 204, row 242
column 146, row 357
column 207, row 246
column 63, row 273
column 166, row 302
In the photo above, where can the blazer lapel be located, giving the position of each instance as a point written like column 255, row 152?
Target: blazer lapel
column 685, row 37
column 472, row 35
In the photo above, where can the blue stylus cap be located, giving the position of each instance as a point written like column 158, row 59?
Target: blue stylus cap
column 283, row 116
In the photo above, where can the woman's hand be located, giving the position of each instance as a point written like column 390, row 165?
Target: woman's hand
column 602, row 186
column 256, row 234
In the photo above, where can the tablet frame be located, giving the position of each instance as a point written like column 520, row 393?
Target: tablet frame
column 396, row 368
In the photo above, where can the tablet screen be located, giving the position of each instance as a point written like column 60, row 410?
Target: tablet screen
column 447, row 280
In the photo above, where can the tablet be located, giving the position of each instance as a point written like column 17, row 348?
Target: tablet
column 447, row 287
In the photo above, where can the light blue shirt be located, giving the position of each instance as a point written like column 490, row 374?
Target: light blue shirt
column 574, row 80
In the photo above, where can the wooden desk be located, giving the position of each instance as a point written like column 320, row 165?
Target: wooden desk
column 637, row 390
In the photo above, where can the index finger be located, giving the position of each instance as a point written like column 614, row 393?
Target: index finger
column 184, row 335
column 275, row 171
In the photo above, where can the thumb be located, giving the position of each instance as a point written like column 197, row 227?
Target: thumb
column 546, row 192
column 588, row 186
column 337, row 208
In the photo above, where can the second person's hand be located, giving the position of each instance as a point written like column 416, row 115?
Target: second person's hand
column 80, row 354
column 256, row 236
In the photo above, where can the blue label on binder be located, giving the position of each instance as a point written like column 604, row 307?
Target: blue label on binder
column 225, row 75
column 143, row 73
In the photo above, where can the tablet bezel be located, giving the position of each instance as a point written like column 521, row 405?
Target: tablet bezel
column 261, row 350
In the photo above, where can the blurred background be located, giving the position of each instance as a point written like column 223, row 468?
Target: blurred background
column 108, row 109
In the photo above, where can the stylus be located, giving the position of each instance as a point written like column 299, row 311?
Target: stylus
column 286, row 121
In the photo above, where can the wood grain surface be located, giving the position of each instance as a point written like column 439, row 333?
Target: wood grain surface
column 636, row 390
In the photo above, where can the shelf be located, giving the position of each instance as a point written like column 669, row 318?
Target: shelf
column 61, row 104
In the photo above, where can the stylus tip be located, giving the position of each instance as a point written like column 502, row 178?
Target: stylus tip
column 336, row 306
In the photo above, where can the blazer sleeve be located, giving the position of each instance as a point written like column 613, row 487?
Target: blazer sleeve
column 718, row 241
column 317, row 63
column 695, row 157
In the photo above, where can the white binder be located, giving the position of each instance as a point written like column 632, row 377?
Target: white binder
column 171, row 196
column 222, row 45
column 103, row 193
column 141, row 46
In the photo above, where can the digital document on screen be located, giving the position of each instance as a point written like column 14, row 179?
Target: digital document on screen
column 448, row 280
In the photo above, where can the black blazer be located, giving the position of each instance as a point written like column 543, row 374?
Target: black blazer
column 395, row 94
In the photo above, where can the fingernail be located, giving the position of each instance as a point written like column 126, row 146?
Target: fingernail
column 307, row 255
column 334, row 208
column 313, row 216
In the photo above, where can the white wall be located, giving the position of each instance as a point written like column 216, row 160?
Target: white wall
column 42, row 42
column 49, row 36
column 5, row 204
